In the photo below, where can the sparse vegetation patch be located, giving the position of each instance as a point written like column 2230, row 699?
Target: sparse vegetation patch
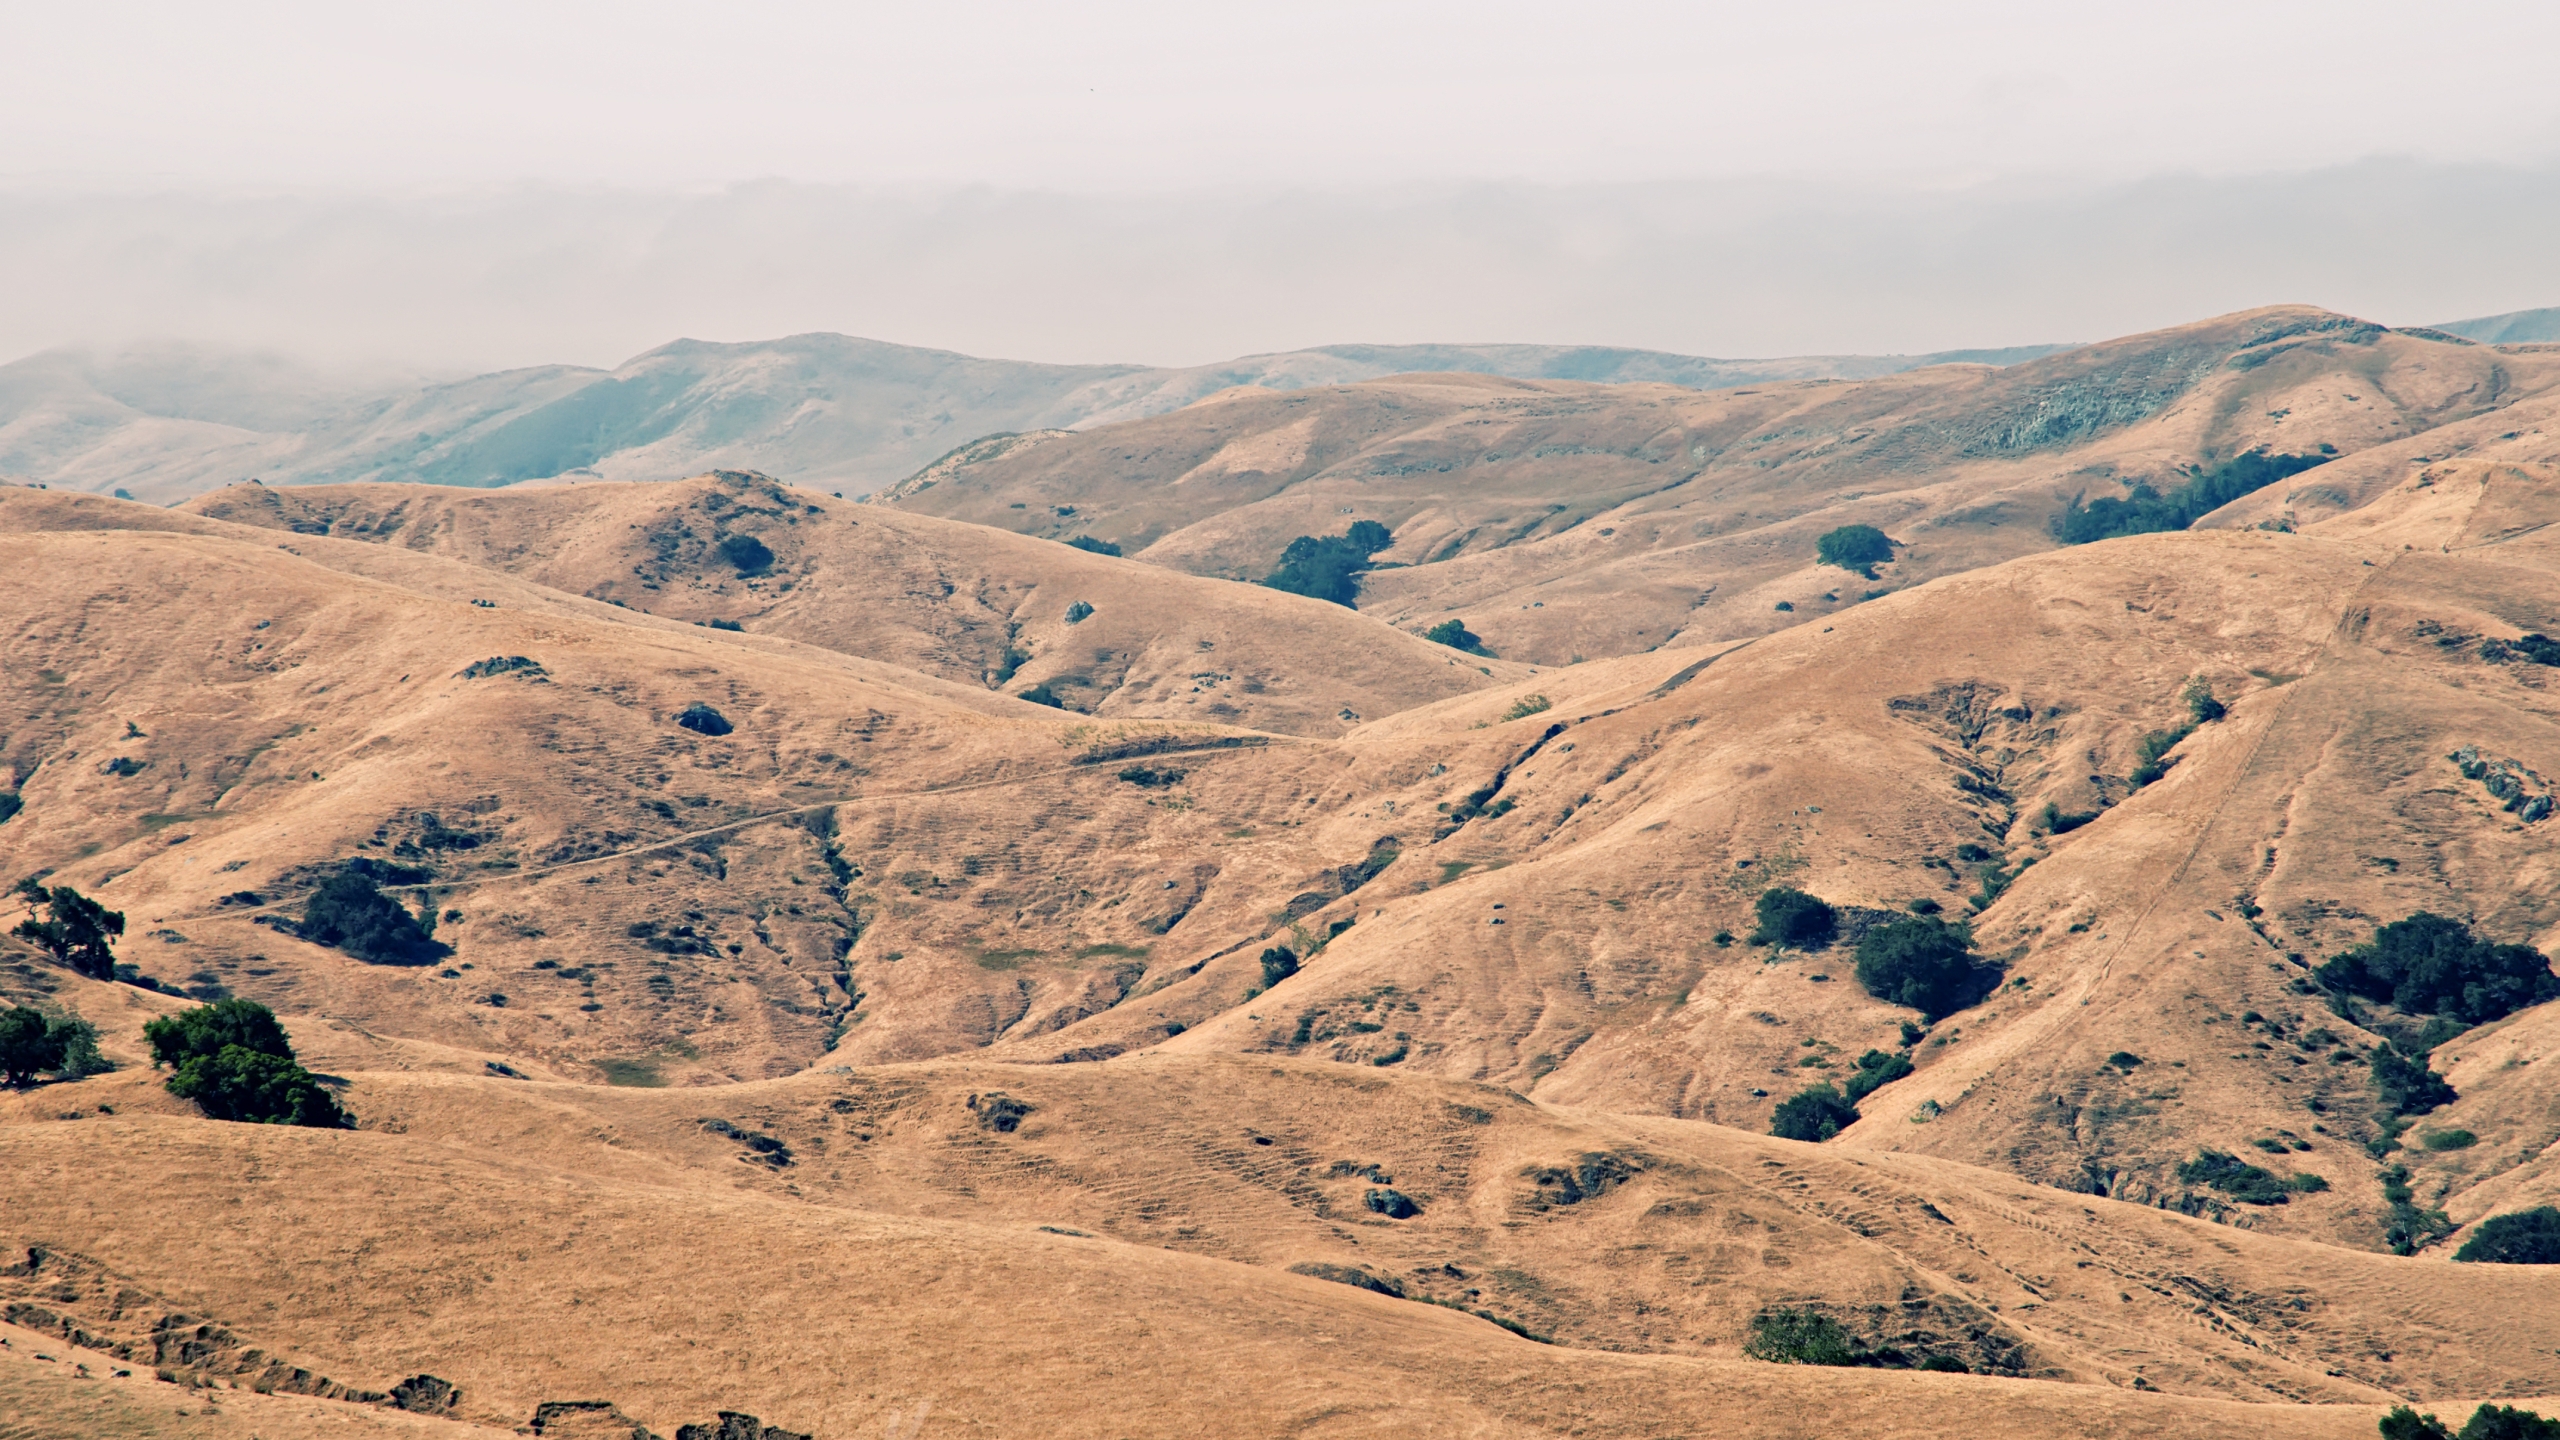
column 2144, row 510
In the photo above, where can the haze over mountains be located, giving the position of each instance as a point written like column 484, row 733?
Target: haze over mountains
column 880, row 933
column 828, row 411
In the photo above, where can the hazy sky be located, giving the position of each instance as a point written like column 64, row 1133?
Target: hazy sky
column 482, row 183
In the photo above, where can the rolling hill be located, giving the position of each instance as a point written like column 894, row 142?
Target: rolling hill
column 827, row 412
column 1561, row 519
column 822, row 1032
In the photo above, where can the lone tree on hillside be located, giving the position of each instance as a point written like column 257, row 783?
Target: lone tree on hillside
column 75, row 931
column 1921, row 962
column 348, row 913
column 1456, row 635
column 233, row 1059
column 1855, row 547
column 1792, row 917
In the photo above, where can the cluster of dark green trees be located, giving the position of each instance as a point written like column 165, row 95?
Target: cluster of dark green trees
column 1855, row 547
column 1917, row 961
column 2144, row 510
column 1328, row 567
column 349, row 912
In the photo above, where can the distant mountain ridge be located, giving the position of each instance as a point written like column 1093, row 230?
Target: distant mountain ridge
column 2516, row 327
column 817, row 409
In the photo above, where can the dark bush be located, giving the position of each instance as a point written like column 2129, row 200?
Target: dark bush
column 10, row 804
column 1149, row 779
column 730, row 625
column 1456, row 635
column 2236, row 1178
column 701, row 719
column 1921, row 962
column 2527, row 1237
column 2404, row 1423
column 1041, row 694
column 1817, row 1113
column 348, row 913
column 747, row 553
column 1800, row 1337
column 75, row 931
column 1855, row 547
column 2429, row 964
column 1792, row 917
column 1098, row 547
column 1394, row 1204
column 233, row 1059
column 1328, row 568
column 1278, row 964
column 2144, row 510
column 2538, row 648
column 1876, row 1069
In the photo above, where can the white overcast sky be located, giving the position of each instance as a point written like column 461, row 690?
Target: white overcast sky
column 1373, row 113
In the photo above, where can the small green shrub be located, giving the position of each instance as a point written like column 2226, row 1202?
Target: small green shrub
column 1011, row 663
column 234, row 1060
column 1876, row 1069
column 1526, row 706
column 1855, row 547
column 349, row 913
column 1278, row 964
column 1786, row 605
column 1792, row 917
column 1817, row 1113
column 10, row 804
column 1078, row 612
column 2430, row 964
column 2124, row 1060
column 75, row 931
column 1041, row 694
column 730, row 625
column 1098, row 547
column 2526, row 1237
column 2447, row 1139
column 1921, row 962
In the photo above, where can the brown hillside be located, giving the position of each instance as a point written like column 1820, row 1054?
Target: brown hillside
column 1562, row 519
column 949, row 600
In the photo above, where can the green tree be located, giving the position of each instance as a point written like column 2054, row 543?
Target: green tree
column 1855, row 547
column 75, row 931
column 1278, row 964
column 1098, row 547
column 2404, row 1423
column 2508, row 1422
column 2526, row 1237
column 1456, row 635
column 1801, row 1337
column 26, row 1046
column 1922, row 962
column 1792, row 917
column 1817, row 1113
column 2144, row 510
column 234, row 1060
